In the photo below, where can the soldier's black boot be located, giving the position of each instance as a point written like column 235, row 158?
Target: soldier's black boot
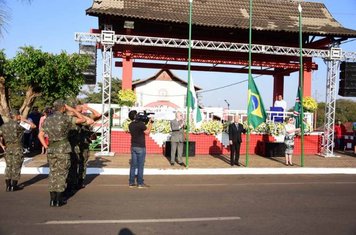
column 8, row 185
column 59, row 199
column 53, row 201
column 14, row 186
column 80, row 184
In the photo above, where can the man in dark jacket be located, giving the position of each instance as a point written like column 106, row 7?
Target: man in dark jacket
column 235, row 130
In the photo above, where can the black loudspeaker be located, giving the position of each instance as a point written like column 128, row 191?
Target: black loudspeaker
column 191, row 152
column 347, row 85
column 275, row 149
column 90, row 73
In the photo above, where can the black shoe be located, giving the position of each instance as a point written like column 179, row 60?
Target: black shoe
column 172, row 164
column 132, row 185
column 52, row 201
column 80, row 184
column 8, row 185
column 14, row 186
column 60, row 201
column 181, row 163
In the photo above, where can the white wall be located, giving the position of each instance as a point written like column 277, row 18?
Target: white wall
column 161, row 90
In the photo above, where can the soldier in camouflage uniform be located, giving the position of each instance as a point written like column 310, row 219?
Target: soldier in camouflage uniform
column 84, row 141
column 57, row 127
column 73, row 137
column 11, row 134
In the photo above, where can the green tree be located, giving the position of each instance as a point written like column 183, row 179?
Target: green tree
column 345, row 110
column 96, row 97
column 4, row 105
column 33, row 73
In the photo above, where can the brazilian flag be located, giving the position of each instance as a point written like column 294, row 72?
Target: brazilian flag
column 256, row 111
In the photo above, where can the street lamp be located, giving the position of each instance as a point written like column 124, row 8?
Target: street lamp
column 228, row 104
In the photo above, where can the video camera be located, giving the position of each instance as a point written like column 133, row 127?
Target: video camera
column 143, row 117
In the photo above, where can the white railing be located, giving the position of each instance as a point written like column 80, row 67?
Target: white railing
column 120, row 114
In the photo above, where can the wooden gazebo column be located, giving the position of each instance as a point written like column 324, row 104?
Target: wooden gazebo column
column 278, row 85
column 307, row 76
column 127, row 67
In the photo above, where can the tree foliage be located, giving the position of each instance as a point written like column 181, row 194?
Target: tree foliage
column 96, row 97
column 33, row 73
column 345, row 110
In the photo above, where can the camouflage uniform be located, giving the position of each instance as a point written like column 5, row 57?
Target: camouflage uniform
column 84, row 142
column 12, row 133
column 73, row 137
column 57, row 127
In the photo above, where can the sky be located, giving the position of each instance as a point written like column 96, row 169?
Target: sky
column 50, row 26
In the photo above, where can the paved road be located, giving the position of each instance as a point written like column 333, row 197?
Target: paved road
column 263, row 204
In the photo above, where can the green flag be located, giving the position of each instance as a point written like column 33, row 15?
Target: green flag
column 192, row 95
column 297, row 108
column 256, row 111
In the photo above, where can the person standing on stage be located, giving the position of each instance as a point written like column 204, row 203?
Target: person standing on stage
column 235, row 140
column 177, row 138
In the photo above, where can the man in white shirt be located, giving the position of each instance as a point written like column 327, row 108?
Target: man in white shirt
column 281, row 103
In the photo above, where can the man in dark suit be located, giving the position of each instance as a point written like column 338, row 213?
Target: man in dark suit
column 235, row 130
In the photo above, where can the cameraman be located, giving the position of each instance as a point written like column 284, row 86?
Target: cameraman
column 138, row 130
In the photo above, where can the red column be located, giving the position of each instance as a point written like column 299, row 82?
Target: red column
column 127, row 71
column 278, row 85
column 307, row 76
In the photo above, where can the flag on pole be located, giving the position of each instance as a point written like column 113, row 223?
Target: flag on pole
column 297, row 108
column 256, row 111
column 196, row 114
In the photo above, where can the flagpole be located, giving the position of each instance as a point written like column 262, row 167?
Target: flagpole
column 301, row 84
column 249, row 78
column 189, row 102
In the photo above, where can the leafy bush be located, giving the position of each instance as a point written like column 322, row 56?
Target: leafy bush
column 127, row 97
column 309, row 104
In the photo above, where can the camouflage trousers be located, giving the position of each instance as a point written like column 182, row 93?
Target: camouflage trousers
column 59, row 164
column 72, row 179
column 14, row 160
column 83, row 160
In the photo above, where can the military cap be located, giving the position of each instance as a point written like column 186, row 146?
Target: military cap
column 58, row 104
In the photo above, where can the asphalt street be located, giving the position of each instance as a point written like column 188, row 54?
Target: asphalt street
column 235, row 204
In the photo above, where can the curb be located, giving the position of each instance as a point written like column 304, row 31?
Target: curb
column 203, row 171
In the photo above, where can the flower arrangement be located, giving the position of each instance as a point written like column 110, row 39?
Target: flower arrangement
column 211, row 127
column 163, row 126
column 127, row 97
column 309, row 104
column 216, row 127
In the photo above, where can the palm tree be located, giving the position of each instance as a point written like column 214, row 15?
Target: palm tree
column 4, row 14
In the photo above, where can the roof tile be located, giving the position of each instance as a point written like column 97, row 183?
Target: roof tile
column 276, row 15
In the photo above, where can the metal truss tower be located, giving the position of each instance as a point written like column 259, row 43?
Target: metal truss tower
column 108, row 39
